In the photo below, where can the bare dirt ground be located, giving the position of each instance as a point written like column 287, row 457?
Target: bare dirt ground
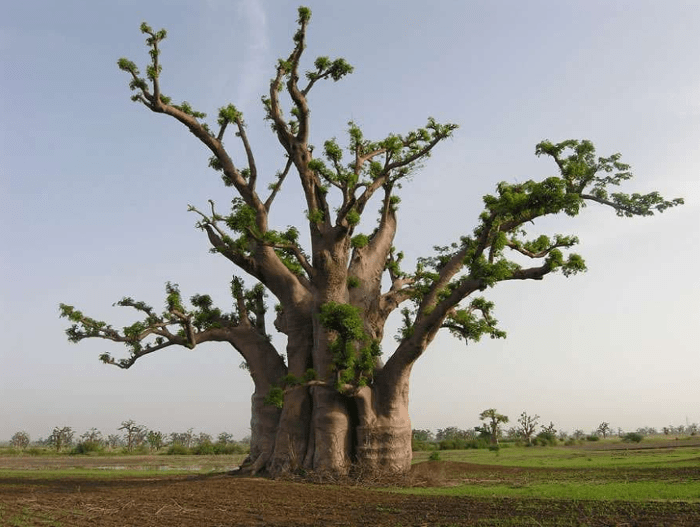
column 219, row 500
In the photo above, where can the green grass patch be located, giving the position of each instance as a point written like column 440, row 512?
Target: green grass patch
column 606, row 491
column 664, row 474
column 574, row 457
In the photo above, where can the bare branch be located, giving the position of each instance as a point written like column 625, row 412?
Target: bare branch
column 278, row 184
column 249, row 154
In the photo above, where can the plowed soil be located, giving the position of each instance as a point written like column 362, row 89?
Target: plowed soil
column 219, row 500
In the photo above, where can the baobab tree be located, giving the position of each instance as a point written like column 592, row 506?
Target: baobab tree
column 527, row 424
column 333, row 399
column 492, row 423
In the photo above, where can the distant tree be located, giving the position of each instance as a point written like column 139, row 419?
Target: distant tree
column 549, row 429
column 203, row 438
column 562, row 435
column 492, row 423
column 114, row 441
column 527, row 424
column 156, row 440
column 92, row 436
column 20, row 440
column 666, row 430
column 423, row 435
column 451, row 433
column 603, row 429
column 134, row 434
column 225, row 438
column 547, row 435
column 692, row 429
column 647, row 431
column 632, row 437
column 578, row 434
column 185, row 439
column 61, row 437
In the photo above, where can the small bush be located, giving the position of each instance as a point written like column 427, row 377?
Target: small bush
column 434, row 456
column 177, row 449
column 230, row 448
column 417, row 445
column 592, row 437
column 87, row 447
column 204, row 449
column 545, row 439
column 632, row 437
column 463, row 444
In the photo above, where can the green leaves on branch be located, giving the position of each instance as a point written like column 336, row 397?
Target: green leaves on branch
column 185, row 107
column 153, row 70
column 639, row 204
column 327, row 68
column 354, row 353
column 472, row 323
column 304, row 15
column 176, row 325
column 229, row 114
column 590, row 178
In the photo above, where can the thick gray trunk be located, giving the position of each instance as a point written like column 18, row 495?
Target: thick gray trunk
column 327, row 433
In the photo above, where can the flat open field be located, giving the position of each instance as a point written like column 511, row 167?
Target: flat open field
column 517, row 486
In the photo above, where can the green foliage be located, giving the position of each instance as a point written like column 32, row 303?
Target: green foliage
column 310, row 375
column 228, row 114
column 545, row 438
column 354, row 353
column 173, row 299
column 304, row 15
column 434, row 456
column 177, row 449
column 344, row 319
column 359, row 241
column 242, row 217
column 632, row 437
column 315, row 216
column 353, row 217
column 275, row 397
column 20, row 440
column 460, row 443
column 87, row 448
column 472, row 323
column 187, row 108
column 353, row 281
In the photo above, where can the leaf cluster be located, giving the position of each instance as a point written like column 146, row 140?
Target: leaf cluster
column 354, row 353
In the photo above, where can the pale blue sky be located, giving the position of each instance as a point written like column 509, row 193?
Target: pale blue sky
column 96, row 189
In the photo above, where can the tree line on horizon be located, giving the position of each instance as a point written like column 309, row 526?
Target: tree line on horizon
column 135, row 438
column 529, row 432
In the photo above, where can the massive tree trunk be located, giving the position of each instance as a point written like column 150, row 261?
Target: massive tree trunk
column 325, row 432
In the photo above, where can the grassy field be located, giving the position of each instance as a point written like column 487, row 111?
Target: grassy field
column 664, row 471
column 609, row 483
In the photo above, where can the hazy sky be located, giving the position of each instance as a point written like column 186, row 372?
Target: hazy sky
column 95, row 191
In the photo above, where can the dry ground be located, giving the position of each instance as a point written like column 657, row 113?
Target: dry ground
column 219, row 500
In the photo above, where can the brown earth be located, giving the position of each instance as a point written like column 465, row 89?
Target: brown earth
column 219, row 500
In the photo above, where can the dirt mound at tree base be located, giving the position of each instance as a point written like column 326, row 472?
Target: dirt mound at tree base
column 224, row 500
